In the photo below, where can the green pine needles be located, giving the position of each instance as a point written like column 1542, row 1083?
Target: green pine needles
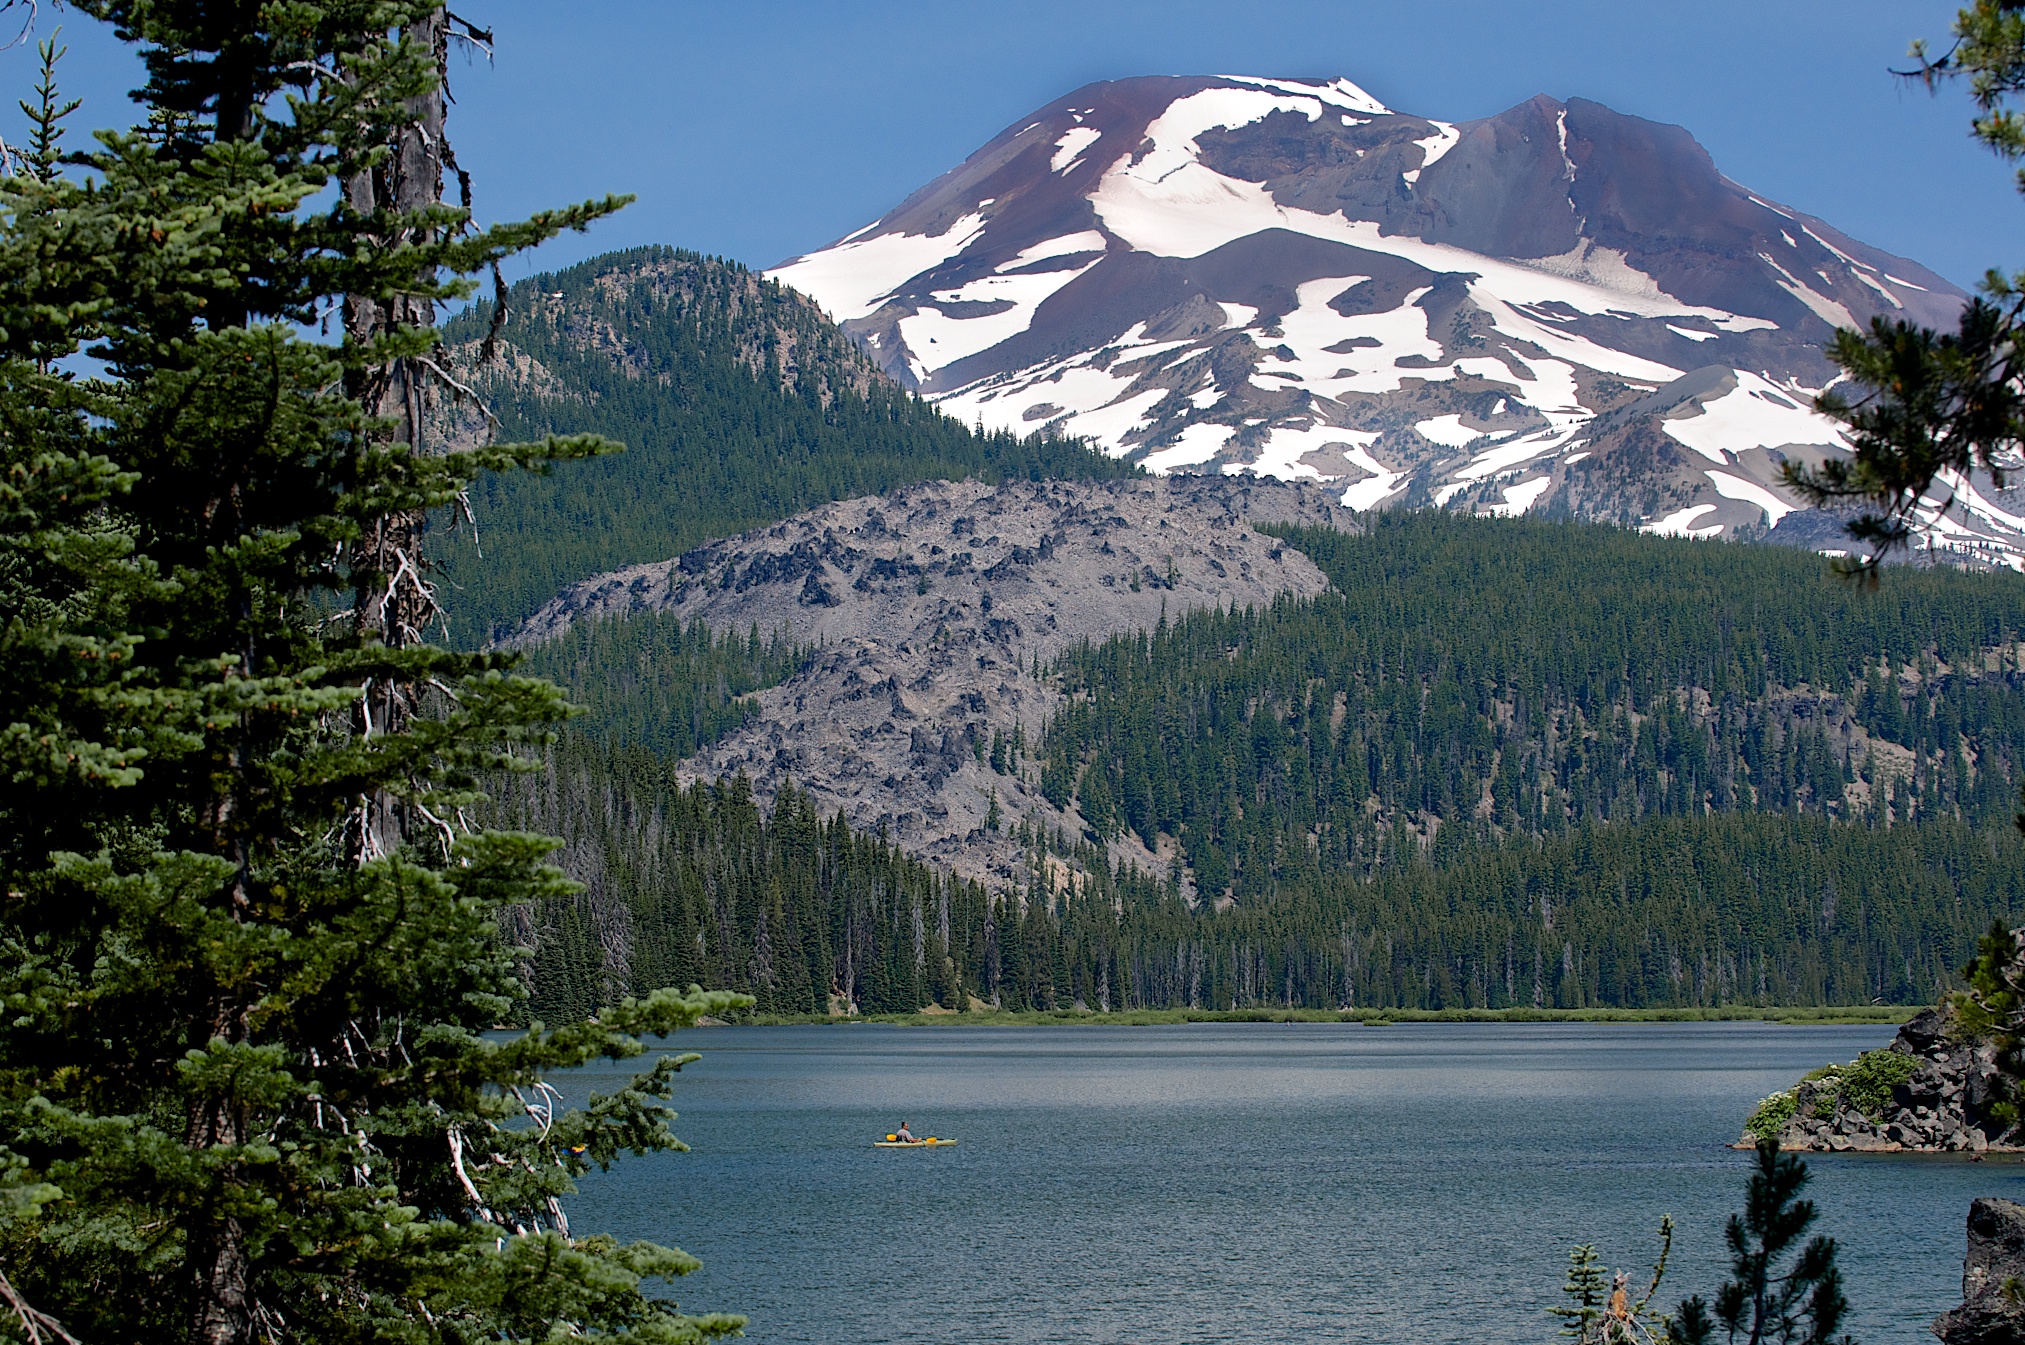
column 1924, row 408
column 1781, row 1291
column 249, row 938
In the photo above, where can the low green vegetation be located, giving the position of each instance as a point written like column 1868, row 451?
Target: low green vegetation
column 1771, row 1114
column 1864, row 1085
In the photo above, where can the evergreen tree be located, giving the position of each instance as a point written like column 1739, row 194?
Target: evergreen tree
column 1768, row 1297
column 1601, row 1308
column 1932, row 403
column 1992, row 1007
column 249, row 948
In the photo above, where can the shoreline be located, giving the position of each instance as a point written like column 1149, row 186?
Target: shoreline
column 1867, row 1015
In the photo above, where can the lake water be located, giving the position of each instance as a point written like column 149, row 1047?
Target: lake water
column 1256, row 1182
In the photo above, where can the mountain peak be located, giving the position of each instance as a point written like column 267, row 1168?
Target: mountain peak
column 1285, row 276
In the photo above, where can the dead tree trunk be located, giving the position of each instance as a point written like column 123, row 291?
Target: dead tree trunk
column 395, row 602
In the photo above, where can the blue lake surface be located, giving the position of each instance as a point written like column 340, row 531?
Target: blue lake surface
column 1254, row 1182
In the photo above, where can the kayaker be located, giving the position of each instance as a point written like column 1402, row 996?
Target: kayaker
column 904, row 1136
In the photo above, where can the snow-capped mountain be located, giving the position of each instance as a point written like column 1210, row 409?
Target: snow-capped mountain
column 1558, row 309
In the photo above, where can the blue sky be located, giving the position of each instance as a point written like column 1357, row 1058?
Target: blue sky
column 759, row 130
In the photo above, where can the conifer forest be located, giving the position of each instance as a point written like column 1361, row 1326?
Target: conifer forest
column 1498, row 764
column 1230, row 551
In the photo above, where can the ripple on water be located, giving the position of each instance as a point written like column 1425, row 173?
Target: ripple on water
column 1262, row 1182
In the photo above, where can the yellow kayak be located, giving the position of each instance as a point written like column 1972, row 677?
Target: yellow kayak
column 930, row 1143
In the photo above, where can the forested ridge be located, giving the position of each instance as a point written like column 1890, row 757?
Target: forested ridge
column 738, row 402
column 650, row 680
column 1499, row 764
column 1471, row 679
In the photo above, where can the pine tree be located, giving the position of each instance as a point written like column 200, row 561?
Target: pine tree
column 1588, row 1291
column 1933, row 403
column 1602, row 1310
column 1769, row 1298
column 250, row 946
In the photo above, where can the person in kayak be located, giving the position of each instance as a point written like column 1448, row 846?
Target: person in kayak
column 904, row 1136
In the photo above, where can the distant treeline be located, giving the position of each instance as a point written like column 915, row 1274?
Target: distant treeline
column 700, row 884
column 739, row 404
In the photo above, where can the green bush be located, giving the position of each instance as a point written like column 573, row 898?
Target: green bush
column 1864, row 1084
column 1771, row 1115
column 1868, row 1080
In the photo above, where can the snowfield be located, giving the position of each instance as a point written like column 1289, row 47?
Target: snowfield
column 1188, row 272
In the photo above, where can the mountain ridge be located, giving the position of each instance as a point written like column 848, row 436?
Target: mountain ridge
column 739, row 404
column 1287, row 277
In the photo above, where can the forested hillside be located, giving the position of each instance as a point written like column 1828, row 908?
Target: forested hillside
column 701, row 884
column 1500, row 763
column 739, row 404
column 651, row 681
column 1471, row 679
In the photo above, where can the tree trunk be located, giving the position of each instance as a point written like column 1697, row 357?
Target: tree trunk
column 224, row 1309
column 396, row 603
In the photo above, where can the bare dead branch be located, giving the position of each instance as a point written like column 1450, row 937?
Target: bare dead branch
column 463, row 391
column 33, row 8
column 38, row 1326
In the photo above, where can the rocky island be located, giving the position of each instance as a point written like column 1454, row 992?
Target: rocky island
column 1932, row 1090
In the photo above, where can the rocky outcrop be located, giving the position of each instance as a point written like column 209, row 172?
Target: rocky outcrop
column 1931, row 1091
column 934, row 611
column 1993, row 1279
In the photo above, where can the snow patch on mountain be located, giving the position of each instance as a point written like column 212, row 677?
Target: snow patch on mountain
column 1195, row 445
column 1681, row 523
column 941, row 337
column 1339, row 93
column 1750, row 492
column 1432, row 147
column 1557, row 308
column 1521, row 497
column 853, row 279
column 1071, row 146
column 1448, row 431
column 1068, row 245
column 1755, row 414
column 1507, row 455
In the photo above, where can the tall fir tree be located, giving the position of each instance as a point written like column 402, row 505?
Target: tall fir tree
column 249, row 945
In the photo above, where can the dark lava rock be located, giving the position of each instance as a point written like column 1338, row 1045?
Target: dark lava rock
column 1945, row 1106
column 1993, row 1279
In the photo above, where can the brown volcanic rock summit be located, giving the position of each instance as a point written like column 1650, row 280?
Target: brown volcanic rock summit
column 1286, row 275
column 931, row 605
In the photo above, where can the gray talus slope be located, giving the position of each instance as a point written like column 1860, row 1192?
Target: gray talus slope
column 932, row 605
